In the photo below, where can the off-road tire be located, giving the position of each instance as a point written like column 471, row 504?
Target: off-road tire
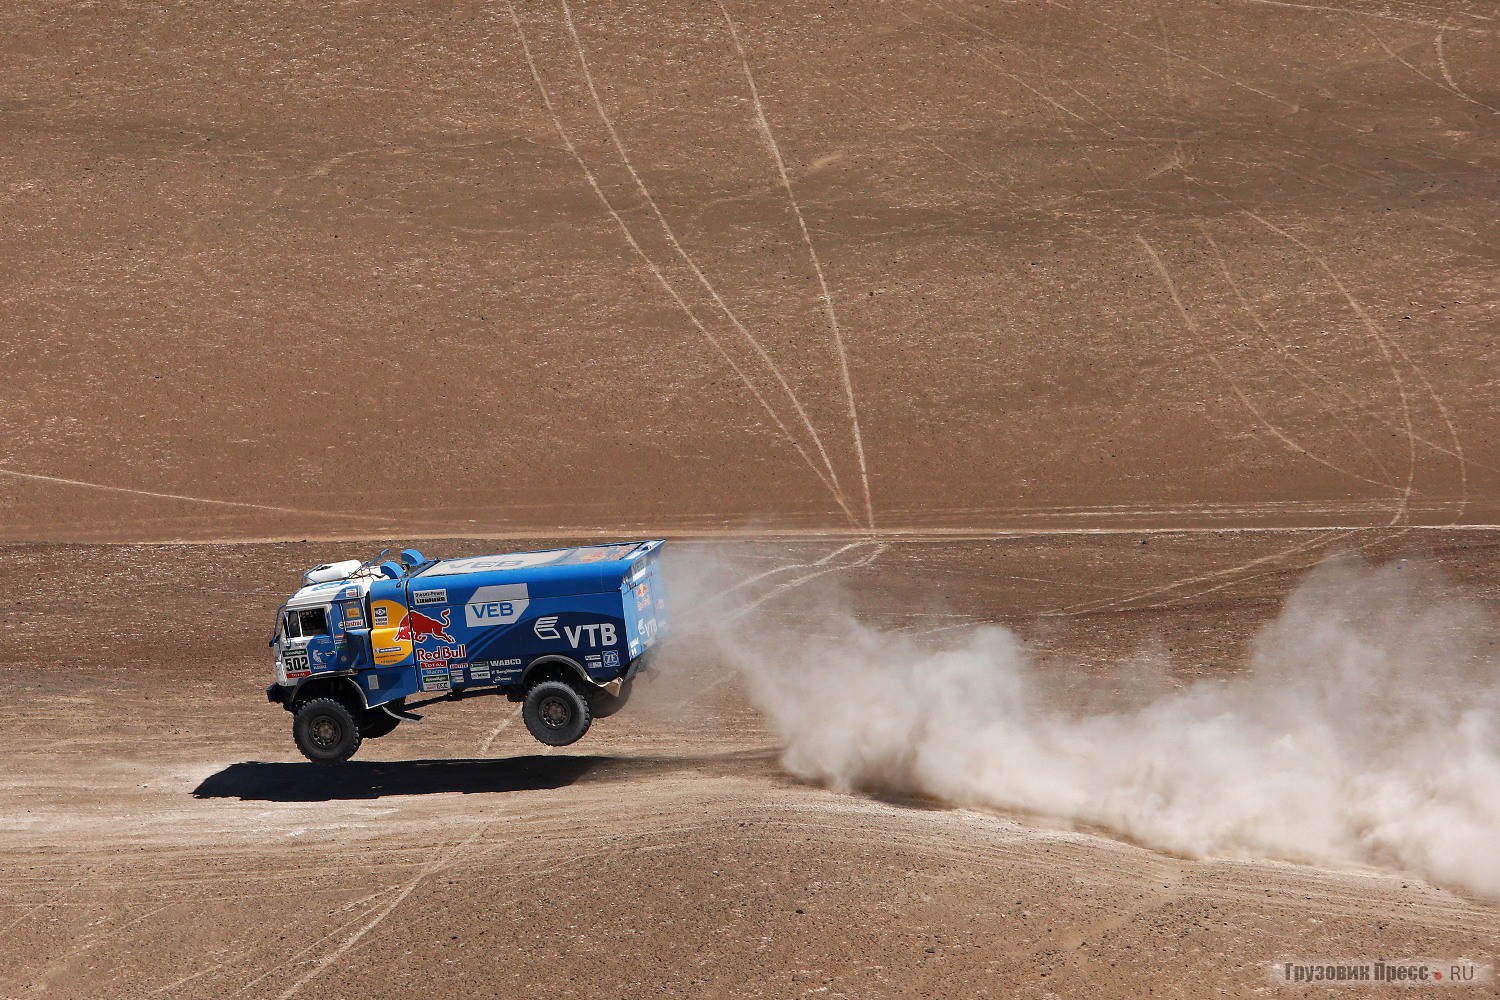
column 377, row 723
column 602, row 704
column 326, row 731
column 555, row 713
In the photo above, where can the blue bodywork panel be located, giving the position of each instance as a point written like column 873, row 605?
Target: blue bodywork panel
column 475, row 622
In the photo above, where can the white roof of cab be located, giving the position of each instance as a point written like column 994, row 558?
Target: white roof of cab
column 319, row 594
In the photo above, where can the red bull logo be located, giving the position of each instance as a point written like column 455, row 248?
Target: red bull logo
column 417, row 627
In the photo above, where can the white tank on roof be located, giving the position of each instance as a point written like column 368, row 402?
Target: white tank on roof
column 331, row 571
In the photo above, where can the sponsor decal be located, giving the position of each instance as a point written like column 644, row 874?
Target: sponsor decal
column 417, row 627
column 294, row 660
column 374, row 682
column 391, row 635
column 611, row 658
column 592, row 661
column 594, row 634
column 429, row 596
column 436, row 679
column 441, row 655
column 293, row 675
column 480, row 564
column 479, row 673
column 350, row 592
column 500, row 604
column 591, row 635
column 642, row 597
column 516, row 662
column 635, row 648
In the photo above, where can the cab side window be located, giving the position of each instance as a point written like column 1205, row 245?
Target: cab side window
column 313, row 621
column 291, row 625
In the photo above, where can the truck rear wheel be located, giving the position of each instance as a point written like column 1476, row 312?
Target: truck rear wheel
column 326, row 731
column 602, row 704
column 377, row 721
column 376, row 724
column 555, row 713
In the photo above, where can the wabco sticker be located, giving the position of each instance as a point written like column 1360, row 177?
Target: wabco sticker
column 435, row 679
column 501, row 604
column 429, row 596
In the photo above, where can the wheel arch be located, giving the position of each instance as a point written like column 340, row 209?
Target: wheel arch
column 342, row 689
column 555, row 665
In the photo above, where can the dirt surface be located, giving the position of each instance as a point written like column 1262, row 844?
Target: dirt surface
column 474, row 268
column 1101, row 320
column 161, row 837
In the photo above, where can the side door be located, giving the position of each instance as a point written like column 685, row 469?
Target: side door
column 318, row 642
column 292, row 663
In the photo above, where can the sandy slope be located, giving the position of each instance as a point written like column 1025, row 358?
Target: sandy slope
column 468, row 268
column 293, row 271
column 162, row 838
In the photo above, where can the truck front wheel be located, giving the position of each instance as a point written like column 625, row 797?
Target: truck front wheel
column 326, row 731
column 556, row 713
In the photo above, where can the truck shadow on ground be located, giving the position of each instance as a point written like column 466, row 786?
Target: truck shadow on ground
column 258, row 781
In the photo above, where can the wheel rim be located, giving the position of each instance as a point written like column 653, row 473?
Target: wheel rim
column 555, row 712
column 326, row 732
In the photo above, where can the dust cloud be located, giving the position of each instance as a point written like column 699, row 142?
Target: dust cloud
column 1362, row 730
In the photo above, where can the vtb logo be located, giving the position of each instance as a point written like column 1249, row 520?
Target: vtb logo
column 592, row 634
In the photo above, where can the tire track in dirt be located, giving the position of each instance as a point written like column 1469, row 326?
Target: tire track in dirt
column 824, row 476
column 1234, row 386
column 812, row 253
column 671, row 236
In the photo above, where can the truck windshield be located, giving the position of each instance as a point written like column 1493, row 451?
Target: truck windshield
column 306, row 622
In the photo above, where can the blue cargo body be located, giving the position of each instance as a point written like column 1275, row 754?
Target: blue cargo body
column 374, row 637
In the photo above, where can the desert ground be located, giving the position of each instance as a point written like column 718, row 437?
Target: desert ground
column 1098, row 321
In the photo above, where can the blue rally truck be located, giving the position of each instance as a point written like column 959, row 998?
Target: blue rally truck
column 564, row 632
